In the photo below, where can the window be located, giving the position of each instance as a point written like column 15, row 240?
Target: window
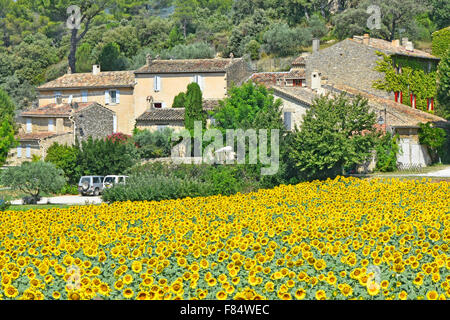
column 58, row 97
column 28, row 151
column 198, row 79
column 157, row 105
column 157, row 83
column 113, row 96
column 84, row 96
column 51, row 125
column 97, row 180
column 29, row 125
column 19, row 152
column 288, row 120
column 297, row 82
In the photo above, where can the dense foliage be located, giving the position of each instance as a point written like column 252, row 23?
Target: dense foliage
column 36, row 46
column 335, row 134
column 443, row 90
column 34, row 178
column 7, row 126
column 433, row 138
column 155, row 144
column 387, row 149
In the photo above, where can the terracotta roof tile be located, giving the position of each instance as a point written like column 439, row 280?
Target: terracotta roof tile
column 101, row 80
column 53, row 109
column 164, row 114
column 296, row 74
column 188, row 65
column 299, row 61
column 398, row 114
column 387, row 47
column 36, row 136
column 268, row 79
column 302, row 95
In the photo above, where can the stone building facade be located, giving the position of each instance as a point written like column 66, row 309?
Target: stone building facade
column 352, row 61
column 62, row 123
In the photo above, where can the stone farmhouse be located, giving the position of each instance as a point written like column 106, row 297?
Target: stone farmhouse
column 101, row 103
column 348, row 67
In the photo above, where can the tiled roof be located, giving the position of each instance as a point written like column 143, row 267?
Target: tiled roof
column 299, row 61
column 398, row 114
column 36, row 136
column 188, row 65
column 53, row 109
column 164, row 114
column 174, row 114
column 299, row 94
column 268, row 79
column 102, row 80
column 296, row 74
column 387, row 47
column 210, row 104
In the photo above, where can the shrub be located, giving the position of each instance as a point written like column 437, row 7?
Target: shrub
column 4, row 205
column 65, row 158
column 441, row 42
column 34, row 178
column 179, row 100
column 155, row 144
column 387, row 150
column 433, row 138
column 69, row 189
column 156, row 187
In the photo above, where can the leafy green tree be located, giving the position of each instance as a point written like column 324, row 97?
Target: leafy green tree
column 317, row 26
column 387, row 149
column 440, row 13
column 111, row 59
column 153, row 144
column 184, row 13
column 433, row 138
column 34, row 178
column 103, row 157
column 193, row 107
column 126, row 37
column 84, row 58
column 253, row 48
column 335, row 134
column 66, row 158
column 249, row 106
column 443, row 91
column 175, row 37
column 179, row 100
column 280, row 39
column 7, row 130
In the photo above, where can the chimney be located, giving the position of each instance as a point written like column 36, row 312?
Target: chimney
column 148, row 59
column 69, row 70
column 315, row 81
column 315, row 45
column 231, row 56
column 366, row 39
column 396, row 43
column 95, row 69
column 404, row 41
column 409, row 46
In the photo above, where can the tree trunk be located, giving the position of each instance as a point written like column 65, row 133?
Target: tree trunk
column 306, row 14
column 73, row 49
column 393, row 30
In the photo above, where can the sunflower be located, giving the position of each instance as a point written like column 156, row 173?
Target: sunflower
column 373, row 288
column 300, row 294
column 118, row 285
column 128, row 293
column 11, row 291
column 432, row 295
column 221, row 295
column 320, row 295
column 74, row 296
column 403, row 295
column 127, row 279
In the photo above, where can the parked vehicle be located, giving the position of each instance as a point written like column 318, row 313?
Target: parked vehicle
column 111, row 180
column 90, row 185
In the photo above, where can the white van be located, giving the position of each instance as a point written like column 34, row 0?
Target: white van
column 110, row 181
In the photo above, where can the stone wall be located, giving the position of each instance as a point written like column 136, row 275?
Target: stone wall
column 238, row 72
column 348, row 63
column 95, row 121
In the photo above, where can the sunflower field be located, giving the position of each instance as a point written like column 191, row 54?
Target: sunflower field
column 336, row 239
